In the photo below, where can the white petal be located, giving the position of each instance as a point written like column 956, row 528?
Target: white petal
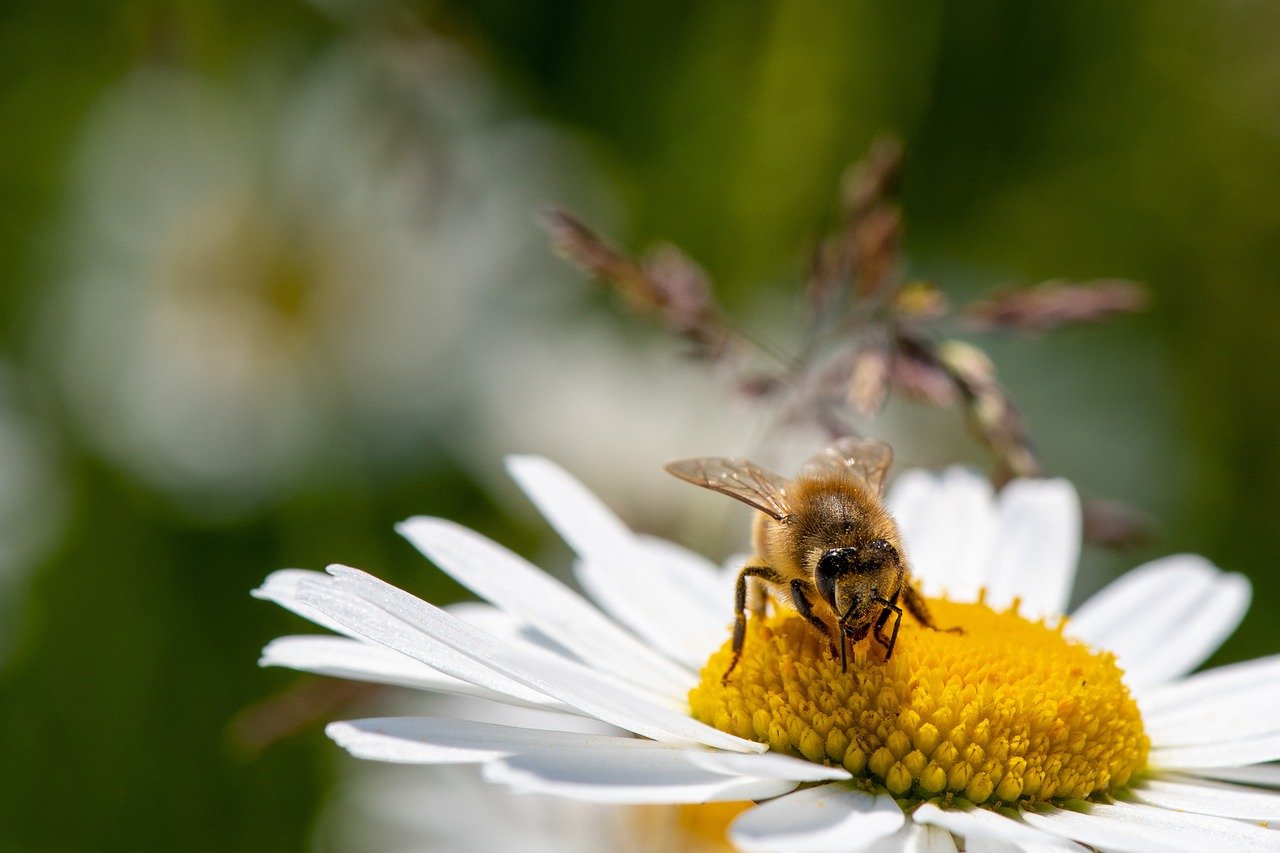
column 525, row 591
column 1164, row 618
column 502, row 713
column 1248, row 750
column 1191, row 696
column 1205, row 797
column 1110, row 613
column 933, row 839
column 915, row 838
column 1037, row 547
column 700, row 641
column 989, row 826
column 357, row 660
column 928, row 839
column 301, row 597
column 282, row 587
column 1198, row 636
column 948, row 525
column 519, row 636
column 984, row 844
column 769, row 765
column 1185, row 696
column 1226, row 703
column 673, row 623
column 692, row 574
column 434, row 740
column 626, row 776
column 1131, row 826
column 1257, row 775
column 826, row 818
column 504, row 626
column 407, row 624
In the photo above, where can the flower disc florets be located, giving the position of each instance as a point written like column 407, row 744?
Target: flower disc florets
column 1010, row 710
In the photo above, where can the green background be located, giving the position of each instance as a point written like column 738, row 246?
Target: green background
column 1043, row 140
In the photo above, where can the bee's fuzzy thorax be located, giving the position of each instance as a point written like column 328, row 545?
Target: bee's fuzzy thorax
column 828, row 510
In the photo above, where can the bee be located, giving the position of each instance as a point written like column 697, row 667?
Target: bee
column 822, row 541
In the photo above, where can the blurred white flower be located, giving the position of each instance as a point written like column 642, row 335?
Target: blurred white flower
column 33, row 503
column 274, row 273
column 534, row 381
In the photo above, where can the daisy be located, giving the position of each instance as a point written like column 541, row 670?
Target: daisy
column 250, row 262
column 1029, row 731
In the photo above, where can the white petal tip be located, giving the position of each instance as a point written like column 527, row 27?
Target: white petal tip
column 821, row 818
column 963, row 473
column 524, row 461
column 1241, row 586
column 536, row 473
column 423, row 530
column 280, row 582
column 529, row 469
column 1048, row 486
column 413, row 522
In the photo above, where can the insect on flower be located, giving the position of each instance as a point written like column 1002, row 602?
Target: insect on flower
column 822, row 541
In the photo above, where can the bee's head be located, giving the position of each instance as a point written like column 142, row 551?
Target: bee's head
column 847, row 578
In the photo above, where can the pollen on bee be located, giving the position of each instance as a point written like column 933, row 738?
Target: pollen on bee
column 1010, row 711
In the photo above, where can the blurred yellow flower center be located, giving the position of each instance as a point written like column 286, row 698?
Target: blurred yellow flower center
column 691, row 828
column 1010, row 710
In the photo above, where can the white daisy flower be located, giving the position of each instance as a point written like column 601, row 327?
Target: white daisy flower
column 1029, row 731
column 264, row 275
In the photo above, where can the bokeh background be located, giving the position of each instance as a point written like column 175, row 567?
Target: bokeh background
column 271, row 279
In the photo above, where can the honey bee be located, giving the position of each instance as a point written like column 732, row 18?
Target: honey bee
column 822, row 541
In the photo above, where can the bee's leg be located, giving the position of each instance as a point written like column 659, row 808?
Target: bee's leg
column 765, row 574
column 757, row 600
column 800, row 591
column 916, row 604
column 890, row 609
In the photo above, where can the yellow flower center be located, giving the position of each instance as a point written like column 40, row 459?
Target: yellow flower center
column 1009, row 710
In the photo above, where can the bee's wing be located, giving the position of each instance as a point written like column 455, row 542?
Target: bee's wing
column 737, row 478
column 868, row 458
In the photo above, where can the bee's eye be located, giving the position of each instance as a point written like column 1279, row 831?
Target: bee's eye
column 877, row 552
column 831, row 566
column 882, row 545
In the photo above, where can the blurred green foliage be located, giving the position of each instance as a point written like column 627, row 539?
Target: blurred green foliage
column 1043, row 140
